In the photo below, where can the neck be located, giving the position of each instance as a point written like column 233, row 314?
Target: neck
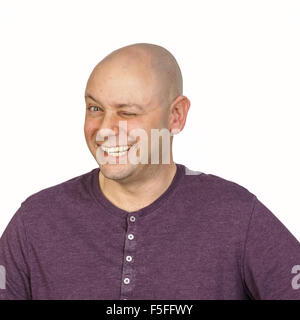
column 139, row 192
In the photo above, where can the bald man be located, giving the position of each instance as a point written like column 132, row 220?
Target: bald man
column 142, row 85
column 140, row 226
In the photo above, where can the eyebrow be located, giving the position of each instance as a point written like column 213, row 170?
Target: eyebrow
column 118, row 105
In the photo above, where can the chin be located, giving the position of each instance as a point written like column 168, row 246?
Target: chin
column 117, row 171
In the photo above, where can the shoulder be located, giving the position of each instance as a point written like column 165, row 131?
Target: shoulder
column 217, row 194
column 214, row 185
column 58, row 196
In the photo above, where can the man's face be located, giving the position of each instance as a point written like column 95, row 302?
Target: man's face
column 136, row 89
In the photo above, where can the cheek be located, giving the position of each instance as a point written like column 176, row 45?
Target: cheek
column 89, row 128
column 159, row 119
column 156, row 121
column 136, row 130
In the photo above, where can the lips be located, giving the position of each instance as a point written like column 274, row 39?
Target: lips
column 115, row 151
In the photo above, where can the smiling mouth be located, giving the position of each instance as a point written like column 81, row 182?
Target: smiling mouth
column 116, row 151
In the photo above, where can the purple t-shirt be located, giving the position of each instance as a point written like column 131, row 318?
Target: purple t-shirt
column 204, row 238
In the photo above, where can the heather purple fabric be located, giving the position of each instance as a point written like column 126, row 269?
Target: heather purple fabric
column 204, row 238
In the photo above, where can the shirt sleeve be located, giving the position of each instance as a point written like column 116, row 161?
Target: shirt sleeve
column 271, row 262
column 14, row 268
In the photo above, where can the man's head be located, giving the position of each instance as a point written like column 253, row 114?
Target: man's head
column 142, row 85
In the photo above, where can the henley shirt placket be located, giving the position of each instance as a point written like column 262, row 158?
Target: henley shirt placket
column 128, row 274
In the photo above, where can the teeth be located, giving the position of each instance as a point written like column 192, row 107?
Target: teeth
column 116, row 150
column 117, row 154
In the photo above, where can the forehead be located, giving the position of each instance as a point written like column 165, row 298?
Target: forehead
column 122, row 84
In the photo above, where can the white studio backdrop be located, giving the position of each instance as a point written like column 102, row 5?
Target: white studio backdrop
column 241, row 71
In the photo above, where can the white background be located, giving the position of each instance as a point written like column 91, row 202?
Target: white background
column 241, row 70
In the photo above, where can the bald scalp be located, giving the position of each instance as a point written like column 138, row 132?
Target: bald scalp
column 157, row 60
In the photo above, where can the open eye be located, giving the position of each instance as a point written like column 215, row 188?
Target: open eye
column 89, row 108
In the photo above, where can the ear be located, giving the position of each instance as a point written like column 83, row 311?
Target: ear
column 177, row 114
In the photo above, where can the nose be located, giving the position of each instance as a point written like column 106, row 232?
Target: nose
column 111, row 126
column 110, row 123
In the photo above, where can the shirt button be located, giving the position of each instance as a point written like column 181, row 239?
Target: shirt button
column 129, row 258
column 126, row 280
column 130, row 236
column 132, row 218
